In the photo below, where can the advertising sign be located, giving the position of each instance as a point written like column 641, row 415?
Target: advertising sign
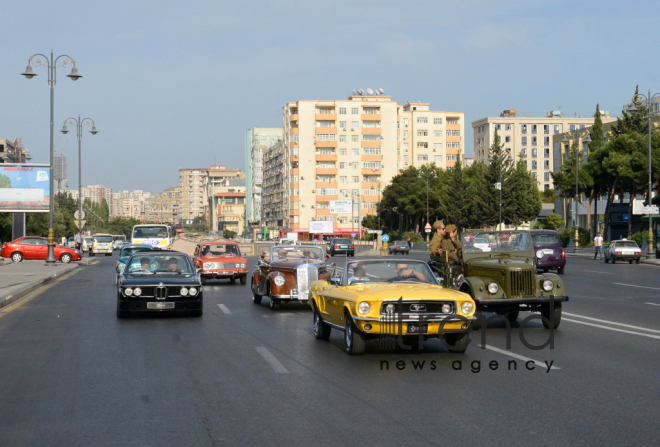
column 24, row 188
column 341, row 206
column 321, row 226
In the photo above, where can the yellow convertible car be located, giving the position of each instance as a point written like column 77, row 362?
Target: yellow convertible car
column 393, row 299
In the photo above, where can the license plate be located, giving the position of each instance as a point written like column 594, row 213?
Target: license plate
column 548, row 251
column 414, row 328
column 160, row 305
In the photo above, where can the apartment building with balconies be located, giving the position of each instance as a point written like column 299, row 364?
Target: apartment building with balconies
column 430, row 136
column 193, row 194
column 528, row 138
column 275, row 191
column 221, row 181
column 257, row 141
column 164, row 207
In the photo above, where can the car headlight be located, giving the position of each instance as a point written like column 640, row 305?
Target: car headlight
column 547, row 285
column 467, row 307
column 238, row 265
column 493, row 287
column 121, row 266
column 279, row 281
column 446, row 308
column 208, row 265
column 184, row 291
column 243, row 265
column 192, row 291
column 128, row 291
column 364, row 307
column 137, row 291
column 539, row 254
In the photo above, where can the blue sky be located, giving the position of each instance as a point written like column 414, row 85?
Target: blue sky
column 176, row 84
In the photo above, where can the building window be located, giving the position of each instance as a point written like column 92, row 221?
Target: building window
column 422, row 120
column 342, row 124
column 405, row 122
column 355, row 165
column 533, row 152
column 371, row 151
column 452, row 157
column 326, row 137
column 507, row 127
column 355, row 179
column 533, row 164
column 342, row 110
column 523, row 128
column 422, row 157
column 437, row 133
column 523, row 152
column 355, row 138
column 546, row 141
column 453, row 145
column 422, row 145
column 342, row 165
column 546, row 129
column 497, row 127
column 342, row 151
column 371, row 137
column 453, row 133
column 437, row 145
column 405, row 159
column 325, row 110
column 524, row 141
column 581, row 126
column 355, row 124
column 405, row 146
column 355, row 151
column 343, row 179
column 343, row 193
column 556, row 128
column 534, row 141
column 546, row 152
column 546, row 164
column 533, row 129
column 452, row 120
column 546, row 178
column 437, row 121
column 437, row 158
column 423, row 133
column 355, row 111
column 572, row 127
column 326, row 152
column 325, row 164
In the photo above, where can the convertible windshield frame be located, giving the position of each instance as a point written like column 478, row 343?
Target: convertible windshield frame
column 387, row 269
column 295, row 252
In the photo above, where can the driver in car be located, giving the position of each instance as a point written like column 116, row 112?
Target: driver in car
column 403, row 272
column 145, row 263
column 359, row 273
column 173, row 266
column 282, row 254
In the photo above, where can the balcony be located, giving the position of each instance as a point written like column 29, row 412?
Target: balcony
column 294, row 130
column 326, row 157
column 294, row 171
column 327, row 185
column 326, row 198
column 293, row 117
column 453, row 139
column 371, row 171
column 371, row 144
column 371, row 157
column 294, row 159
column 326, row 144
column 371, row 130
column 326, row 117
column 326, row 130
column 369, row 185
column 326, row 171
column 370, row 117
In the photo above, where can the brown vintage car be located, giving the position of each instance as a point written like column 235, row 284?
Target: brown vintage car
column 220, row 260
column 285, row 273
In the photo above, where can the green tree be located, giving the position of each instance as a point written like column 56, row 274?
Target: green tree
column 199, row 224
column 498, row 169
column 477, row 211
column 5, row 227
column 521, row 202
column 370, row 221
column 456, row 202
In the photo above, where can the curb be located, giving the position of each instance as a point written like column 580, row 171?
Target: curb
column 34, row 285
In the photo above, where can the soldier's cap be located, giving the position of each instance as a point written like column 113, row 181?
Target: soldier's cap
column 450, row 228
column 438, row 223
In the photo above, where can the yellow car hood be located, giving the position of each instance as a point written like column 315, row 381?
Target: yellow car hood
column 407, row 291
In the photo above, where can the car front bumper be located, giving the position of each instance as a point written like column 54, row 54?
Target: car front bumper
column 519, row 301
column 143, row 305
column 224, row 274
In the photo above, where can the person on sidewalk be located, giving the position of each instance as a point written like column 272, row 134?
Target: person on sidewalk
column 598, row 243
column 78, row 241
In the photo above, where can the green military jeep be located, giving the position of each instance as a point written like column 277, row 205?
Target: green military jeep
column 498, row 270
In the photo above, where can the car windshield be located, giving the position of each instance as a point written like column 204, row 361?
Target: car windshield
column 103, row 239
column 280, row 253
column 546, row 239
column 128, row 251
column 158, row 264
column 342, row 241
column 89, row 240
column 626, row 244
column 118, row 238
column 388, row 271
column 500, row 241
column 151, row 231
column 220, row 250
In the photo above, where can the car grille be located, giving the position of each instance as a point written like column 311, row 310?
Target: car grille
column 522, row 283
column 413, row 308
column 305, row 275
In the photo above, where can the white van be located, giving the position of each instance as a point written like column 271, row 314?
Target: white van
column 117, row 241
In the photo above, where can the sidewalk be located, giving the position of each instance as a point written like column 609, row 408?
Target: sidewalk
column 19, row 279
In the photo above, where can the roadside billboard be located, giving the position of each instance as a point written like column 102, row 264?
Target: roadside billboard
column 321, row 226
column 341, row 207
column 24, row 188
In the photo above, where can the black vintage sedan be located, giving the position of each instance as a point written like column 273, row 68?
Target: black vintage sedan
column 159, row 281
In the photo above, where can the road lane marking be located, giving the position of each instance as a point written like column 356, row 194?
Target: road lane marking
column 653, row 304
column 611, row 322
column 224, row 309
column 520, row 357
column 595, row 271
column 633, row 285
column 612, row 328
column 272, row 361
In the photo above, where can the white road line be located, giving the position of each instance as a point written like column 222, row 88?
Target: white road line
column 611, row 322
column 272, row 361
column 611, row 328
column 224, row 309
column 653, row 304
column 595, row 271
column 520, row 357
column 633, row 285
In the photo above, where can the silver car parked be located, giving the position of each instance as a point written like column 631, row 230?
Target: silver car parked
column 623, row 250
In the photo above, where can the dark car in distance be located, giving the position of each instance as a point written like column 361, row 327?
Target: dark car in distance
column 550, row 254
column 399, row 247
column 159, row 281
column 341, row 246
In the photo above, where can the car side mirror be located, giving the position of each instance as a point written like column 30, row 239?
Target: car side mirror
column 439, row 279
column 335, row 281
column 198, row 270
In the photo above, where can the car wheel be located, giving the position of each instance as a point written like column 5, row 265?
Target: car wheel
column 122, row 313
column 203, row 280
column 476, row 324
column 354, row 340
column 17, row 256
column 613, row 260
column 607, row 261
column 243, row 280
column 232, row 280
column 275, row 303
column 630, row 262
column 545, row 311
column 256, row 299
column 321, row 330
column 200, row 312
column 457, row 343
column 637, row 261
column 65, row 258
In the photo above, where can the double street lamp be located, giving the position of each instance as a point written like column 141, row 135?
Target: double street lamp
column 79, row 123
column 435, row 176
column 51, row 64
column 649, row 99
column 578, row 151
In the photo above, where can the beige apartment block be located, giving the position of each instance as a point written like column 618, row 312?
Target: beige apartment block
column 257, row 141
column 164, row 207
column 528, row 138
column 129, row 204
column 193, row 194
column 275, row 191
column 221, row 180
column 337, row 150
column 230, row 211
column 430, row 136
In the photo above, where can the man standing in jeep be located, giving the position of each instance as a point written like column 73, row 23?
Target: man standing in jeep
column 439, row 228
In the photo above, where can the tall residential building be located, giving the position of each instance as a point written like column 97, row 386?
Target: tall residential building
column 226, row 211
column 97, row 193
column 13, row 151
column 275, row 191
column 257, row 140
column 193, row 195
column 59, row 165
column 429, row 136
column 528, row 138
column 129, row 204
column 164, row 207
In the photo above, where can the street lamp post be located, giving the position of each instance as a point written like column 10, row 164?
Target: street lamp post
column 490, row 160
column 51, row 65
column 651, row 253
column 79, row 132
column 578, row 152
column 435, row 176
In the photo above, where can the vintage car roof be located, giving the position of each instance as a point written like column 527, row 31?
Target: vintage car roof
column 218, row 243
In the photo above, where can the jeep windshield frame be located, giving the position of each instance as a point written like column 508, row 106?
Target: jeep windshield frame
column 503, row 244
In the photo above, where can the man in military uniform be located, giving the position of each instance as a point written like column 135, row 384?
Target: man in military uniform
column 449, row 243
column 434, row 247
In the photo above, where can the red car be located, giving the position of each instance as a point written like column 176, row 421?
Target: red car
column 33, row 247
column 220, row 260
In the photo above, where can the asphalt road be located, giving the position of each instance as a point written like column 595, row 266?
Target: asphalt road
column 72, row 374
